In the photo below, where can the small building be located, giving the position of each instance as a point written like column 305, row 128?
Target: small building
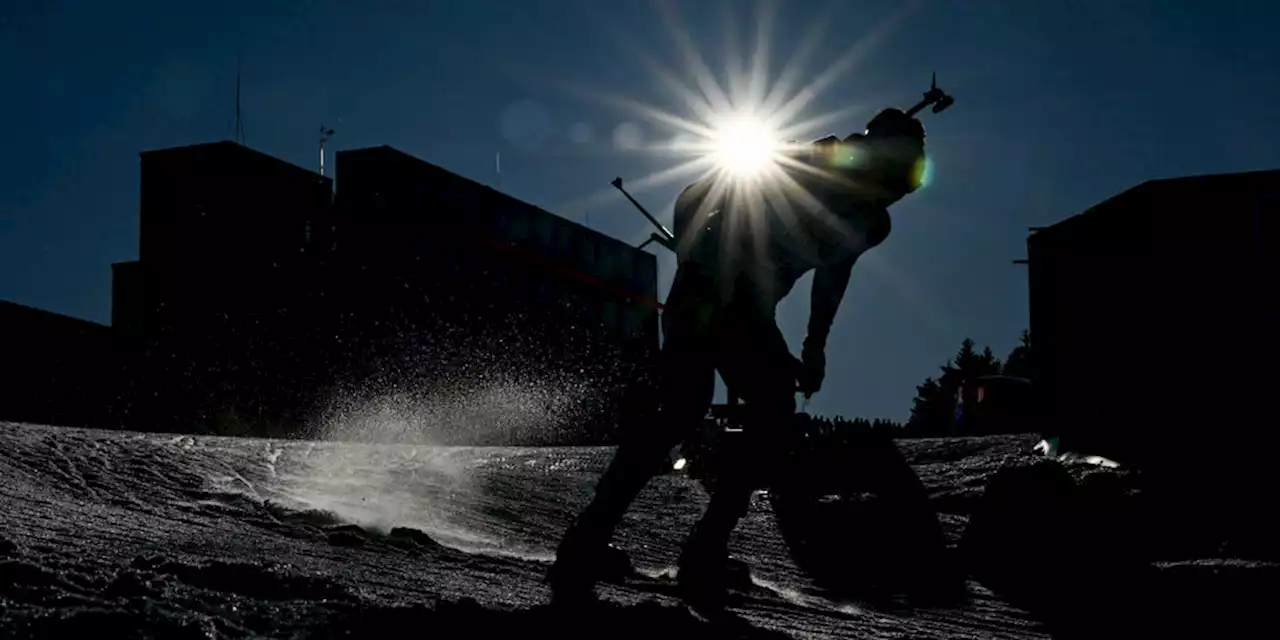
column 1157, row 306
column 1154, row 331
column 55, row 369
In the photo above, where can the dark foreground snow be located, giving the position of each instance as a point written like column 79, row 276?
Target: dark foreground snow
column 144, row 535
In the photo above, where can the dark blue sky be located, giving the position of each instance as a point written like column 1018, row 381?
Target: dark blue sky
column 1059, row 105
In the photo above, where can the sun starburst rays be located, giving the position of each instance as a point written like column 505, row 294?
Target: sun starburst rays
column 740, row 131
column 773, row 108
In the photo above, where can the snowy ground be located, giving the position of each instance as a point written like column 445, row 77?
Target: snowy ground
column 169, row 536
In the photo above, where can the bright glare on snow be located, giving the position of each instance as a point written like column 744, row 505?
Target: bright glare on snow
column 1049, row 448
column 1044, row 447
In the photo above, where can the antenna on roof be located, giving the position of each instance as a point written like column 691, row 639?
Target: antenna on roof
column 325, row 134
column 239, row 122
column 497, row 167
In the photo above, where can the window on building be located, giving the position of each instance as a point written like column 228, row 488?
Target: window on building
column 563, row 241
column 587, row 308
column 520, row 229
column 632, row 319
column 626, row 269
column 609, row 317
column 500, row 225
column 587, row 251
column 557, row 295
column 604, row 264
column 542, row 231
column 639, row 269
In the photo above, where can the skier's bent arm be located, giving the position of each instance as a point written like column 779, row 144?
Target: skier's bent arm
column 829, row 284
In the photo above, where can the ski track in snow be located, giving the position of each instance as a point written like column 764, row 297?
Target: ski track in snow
column 193, row 536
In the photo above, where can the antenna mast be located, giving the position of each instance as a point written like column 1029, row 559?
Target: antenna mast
column 325, row 134
column 239, row 122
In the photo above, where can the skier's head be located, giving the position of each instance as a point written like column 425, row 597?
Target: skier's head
column 896, row 142
column 894, row 123
column 889, row 155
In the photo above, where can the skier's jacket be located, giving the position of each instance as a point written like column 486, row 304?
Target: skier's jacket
column 826, row 206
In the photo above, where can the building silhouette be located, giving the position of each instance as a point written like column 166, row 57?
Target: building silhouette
column 53, row 367
column 1154, row 335
column 262, row 293
column 1164, row 292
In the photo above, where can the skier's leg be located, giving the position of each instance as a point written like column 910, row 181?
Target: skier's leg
column 687, row 384
column 753, row 359
column 643, row 452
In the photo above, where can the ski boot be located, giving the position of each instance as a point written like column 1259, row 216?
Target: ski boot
column 578, row 568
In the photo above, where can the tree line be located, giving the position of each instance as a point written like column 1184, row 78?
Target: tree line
column 933, row 409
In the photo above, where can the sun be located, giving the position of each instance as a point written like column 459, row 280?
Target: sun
column 747, row 128
column 744, row 146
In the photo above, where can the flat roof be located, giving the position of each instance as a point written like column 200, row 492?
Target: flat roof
column 1249, row 185
column 490, row 191
column 229, row 146
column 15, row 310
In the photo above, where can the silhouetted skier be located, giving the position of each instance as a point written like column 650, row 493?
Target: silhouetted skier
column 735, row 263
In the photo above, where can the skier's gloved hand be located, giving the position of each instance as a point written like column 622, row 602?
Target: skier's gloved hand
column 813, row 366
